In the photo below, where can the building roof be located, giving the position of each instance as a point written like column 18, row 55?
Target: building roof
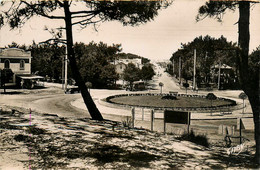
column 14, row 52
column 223, row 66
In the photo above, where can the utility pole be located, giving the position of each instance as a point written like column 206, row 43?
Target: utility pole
column 180, row 70
column 219, row 65
column 173, row 67
column 62, row 72
column 66, row 70
column 194, row 71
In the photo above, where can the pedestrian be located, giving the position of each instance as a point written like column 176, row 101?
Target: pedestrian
column 22, row 83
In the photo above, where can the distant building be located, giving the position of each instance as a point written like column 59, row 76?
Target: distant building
column 120, row 67
column 228, row 78
column 18, row 60
column 121, row 64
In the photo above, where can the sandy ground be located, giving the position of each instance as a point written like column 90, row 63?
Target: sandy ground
column 30, row 140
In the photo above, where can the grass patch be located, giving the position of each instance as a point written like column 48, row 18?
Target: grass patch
column 197, row 139
column 35, row 131
column 22, row 138
column 106, row 153
column 157, row 101
column 5, row 125
column 141, row 159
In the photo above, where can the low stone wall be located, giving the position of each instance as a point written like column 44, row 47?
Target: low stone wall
column 221, row 107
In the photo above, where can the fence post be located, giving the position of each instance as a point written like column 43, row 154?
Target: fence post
column 189, row 115
column 240, row 130
column 133, row 117
column 164, row 123
column 142, row 113
column 152, row 119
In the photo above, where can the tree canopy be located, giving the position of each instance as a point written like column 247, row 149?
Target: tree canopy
column 94, row 63
column 47, row 59
column 147, row 72
column 209, row 52
column 131, row 73
column 91, row 13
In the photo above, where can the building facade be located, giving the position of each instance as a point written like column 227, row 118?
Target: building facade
column 121, row 64
column 18, row 60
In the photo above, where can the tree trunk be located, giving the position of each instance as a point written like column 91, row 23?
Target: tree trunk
column 254, row 101
column 4, row 88
column 93, row 110
column 250, row 84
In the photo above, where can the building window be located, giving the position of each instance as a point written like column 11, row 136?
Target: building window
column 7, row 64
column 22, row 64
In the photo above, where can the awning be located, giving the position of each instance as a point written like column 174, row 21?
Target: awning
column 31, row 77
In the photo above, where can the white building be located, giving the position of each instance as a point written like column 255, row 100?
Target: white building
column 121, row 64
column 18, row 60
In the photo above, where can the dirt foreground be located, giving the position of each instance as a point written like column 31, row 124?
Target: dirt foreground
column 29, row 140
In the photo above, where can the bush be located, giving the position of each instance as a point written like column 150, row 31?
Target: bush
column 127, row 122
column 35, row 131
column 168, row 97
column 211, row 96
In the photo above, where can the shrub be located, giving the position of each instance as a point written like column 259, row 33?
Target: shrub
column 211, row 96
column 35, row 131
column 127, row 122
column 168, row 97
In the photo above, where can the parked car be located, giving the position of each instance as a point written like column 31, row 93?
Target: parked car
column 137, row 85
column 72, row 90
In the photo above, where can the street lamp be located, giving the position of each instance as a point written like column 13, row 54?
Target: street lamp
column 161, row 85
column 194, row 71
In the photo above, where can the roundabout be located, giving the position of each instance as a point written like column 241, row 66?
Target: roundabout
column 169, row 101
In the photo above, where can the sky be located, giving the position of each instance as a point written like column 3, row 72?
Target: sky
column 156, row 40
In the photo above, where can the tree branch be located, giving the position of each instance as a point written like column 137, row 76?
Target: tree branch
column 60, row 3
column 85, row 21
column 51, row 16
column 42, row 12
column 63, row 41
column 83, row 12
column 82, row 16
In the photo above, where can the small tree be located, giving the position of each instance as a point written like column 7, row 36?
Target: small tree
column 161, row 85
column 5, row 75
column 186, row 85
column 243, row 96
column 131, row 74
column 147, row 72
column 88, row 85
column 211, row 97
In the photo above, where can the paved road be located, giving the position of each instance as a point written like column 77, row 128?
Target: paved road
column 166, row 79
column 53, row 100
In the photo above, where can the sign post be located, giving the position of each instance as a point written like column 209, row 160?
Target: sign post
column 178, row 117
column 133, row 117
column 240, row 131
column 152, row 119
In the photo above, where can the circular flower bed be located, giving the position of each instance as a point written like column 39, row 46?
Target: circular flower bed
column 170, row 101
